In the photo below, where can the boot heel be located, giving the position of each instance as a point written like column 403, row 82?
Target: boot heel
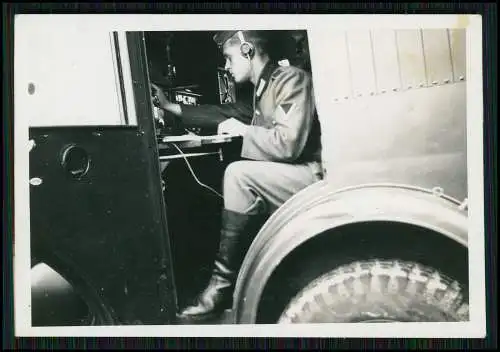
column 208, row 318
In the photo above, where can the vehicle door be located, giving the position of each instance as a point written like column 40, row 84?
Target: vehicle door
column 97, row 214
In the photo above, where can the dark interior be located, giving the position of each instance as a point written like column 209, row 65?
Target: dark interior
column 196, row 58
column 193, row 212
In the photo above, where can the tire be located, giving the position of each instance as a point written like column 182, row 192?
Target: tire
column 379, row 291
column 57, row 302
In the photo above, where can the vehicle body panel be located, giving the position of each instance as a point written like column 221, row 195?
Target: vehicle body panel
column 97, row 225
column 416, row 137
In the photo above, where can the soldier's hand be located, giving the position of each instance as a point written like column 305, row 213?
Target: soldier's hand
column 233, row 127
column 159, row 98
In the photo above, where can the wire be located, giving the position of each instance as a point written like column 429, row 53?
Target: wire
column 192, row 172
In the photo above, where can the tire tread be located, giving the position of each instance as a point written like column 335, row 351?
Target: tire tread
column 397, row 281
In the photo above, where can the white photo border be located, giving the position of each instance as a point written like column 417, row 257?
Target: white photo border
column 475, row 328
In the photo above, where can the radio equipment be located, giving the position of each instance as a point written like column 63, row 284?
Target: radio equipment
column 227, row 89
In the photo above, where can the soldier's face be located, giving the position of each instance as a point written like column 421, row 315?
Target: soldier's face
column 238, row 66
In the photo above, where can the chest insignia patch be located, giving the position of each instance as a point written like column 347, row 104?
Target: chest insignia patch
column 286, row 107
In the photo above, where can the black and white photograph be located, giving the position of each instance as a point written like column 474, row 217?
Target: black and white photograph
column 287, row 175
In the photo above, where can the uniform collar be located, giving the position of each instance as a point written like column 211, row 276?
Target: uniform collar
column 264, row 78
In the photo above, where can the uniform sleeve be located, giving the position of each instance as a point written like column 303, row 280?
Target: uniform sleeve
column 292, row 120
column 211, row 115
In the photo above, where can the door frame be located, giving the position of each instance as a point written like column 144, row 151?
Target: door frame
column 146, row 127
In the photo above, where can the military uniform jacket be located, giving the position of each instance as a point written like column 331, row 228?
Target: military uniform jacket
column 284, row 126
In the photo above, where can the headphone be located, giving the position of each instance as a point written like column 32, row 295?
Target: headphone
column 247, row 49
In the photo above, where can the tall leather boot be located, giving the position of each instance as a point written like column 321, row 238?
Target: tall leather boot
column 237, row 233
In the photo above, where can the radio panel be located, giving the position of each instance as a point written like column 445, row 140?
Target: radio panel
column 184, row 96
column 227, row 89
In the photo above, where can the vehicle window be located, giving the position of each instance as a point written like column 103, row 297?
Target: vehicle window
column 73, row 77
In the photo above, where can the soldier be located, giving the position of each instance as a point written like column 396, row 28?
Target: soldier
column 281, row 154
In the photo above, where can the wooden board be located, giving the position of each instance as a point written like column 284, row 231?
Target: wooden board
column 458, row 53
column 411, row 59
column 339, row 68
column 360, row 52
column 385, row 53
column 437, row 56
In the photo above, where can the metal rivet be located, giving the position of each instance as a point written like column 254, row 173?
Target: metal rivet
column 383, row 91
column 336, row 99
column 435, row 82
column 395, row 89
column 446, row 80
column 35, row 181
column 438, row 191
column 372, row 93
column 461, row 78
column 421, row 85
column 346, row 98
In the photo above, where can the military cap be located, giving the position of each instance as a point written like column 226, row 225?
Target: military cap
column 222, row 36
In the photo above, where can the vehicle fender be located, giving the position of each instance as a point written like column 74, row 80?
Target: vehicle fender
column 321, row 207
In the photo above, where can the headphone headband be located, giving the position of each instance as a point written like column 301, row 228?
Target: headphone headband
column 241, row 37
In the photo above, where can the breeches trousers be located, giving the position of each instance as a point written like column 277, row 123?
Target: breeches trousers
column 256, row 187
